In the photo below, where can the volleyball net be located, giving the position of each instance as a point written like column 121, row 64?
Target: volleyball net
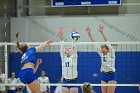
column 89, row 63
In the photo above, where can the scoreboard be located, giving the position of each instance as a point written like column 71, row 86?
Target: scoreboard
column 63, row 3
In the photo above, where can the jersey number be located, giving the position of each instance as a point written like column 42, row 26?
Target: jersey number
column 104, row 59
column 67, row 64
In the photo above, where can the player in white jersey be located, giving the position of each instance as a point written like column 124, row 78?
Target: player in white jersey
column 43, row 79
column 2, row 80
column 12, row 80
column 107, row 55
column 69, row 65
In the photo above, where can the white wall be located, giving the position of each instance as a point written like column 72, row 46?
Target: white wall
column 117, row 28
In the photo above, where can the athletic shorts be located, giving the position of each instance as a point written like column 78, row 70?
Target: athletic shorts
column 27, row 76
column 11, row 91
column 69, row 82
column 108, row 77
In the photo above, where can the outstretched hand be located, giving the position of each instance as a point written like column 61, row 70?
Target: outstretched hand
column 61, row 32
column 74, row 29
column 39, row 61
column 88, row 30
column 101, row 28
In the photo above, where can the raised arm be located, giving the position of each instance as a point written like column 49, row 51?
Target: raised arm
column 101, row 30
column 41, row 46
column 74, row 29
column 88, row 31
column 62, row 37
column 39, row 61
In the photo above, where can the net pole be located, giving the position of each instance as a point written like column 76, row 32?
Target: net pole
column 6, row 63
column 5, row 40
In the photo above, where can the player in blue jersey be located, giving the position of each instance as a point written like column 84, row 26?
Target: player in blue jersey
column 29, row 64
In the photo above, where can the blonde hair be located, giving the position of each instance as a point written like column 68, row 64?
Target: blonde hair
column 87, row 88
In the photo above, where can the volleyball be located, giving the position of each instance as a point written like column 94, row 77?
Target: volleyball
column 75, row 36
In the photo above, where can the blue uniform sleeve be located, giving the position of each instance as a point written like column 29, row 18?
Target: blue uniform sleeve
column 32, row 50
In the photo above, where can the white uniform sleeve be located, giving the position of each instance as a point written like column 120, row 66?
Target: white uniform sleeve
column 75, row 51
column 75, row 55
column 9, row 80
column 111, row 49
column 38, row 79
column 98, row 49
column 62, row 51
column 48, row 81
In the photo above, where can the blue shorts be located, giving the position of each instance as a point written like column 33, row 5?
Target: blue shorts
column 27, row 76
column 108, row 77
column 70, row 82
column 11, row 91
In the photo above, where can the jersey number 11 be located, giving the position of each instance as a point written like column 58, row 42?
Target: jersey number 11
column 67, row 64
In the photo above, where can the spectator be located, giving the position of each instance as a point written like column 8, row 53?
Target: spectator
column 43, row 79
column 2, row 80
column 12, row 80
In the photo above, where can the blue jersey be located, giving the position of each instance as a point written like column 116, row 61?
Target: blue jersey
column 28, row 56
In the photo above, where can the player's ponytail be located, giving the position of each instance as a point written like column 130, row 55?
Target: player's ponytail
column 21, row 47
column 17, row 41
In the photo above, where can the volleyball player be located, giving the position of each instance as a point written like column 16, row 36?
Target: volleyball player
column 69, row 65
column 87, row 88
column 107, row 55
column 28, row 62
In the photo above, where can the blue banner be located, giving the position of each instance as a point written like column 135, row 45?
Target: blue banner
column 61, row 3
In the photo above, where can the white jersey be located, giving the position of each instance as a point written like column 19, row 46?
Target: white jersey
column 43, row 80
column 69, row 64
column 2, row 80
column 69, row 67
column 12, row 81
column 108, row 60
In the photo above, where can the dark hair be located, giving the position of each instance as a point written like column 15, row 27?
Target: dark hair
column 21, row 47
column 105, row 46
column 43, row 70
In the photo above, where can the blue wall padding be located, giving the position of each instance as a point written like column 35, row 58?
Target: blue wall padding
column 127, row 65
